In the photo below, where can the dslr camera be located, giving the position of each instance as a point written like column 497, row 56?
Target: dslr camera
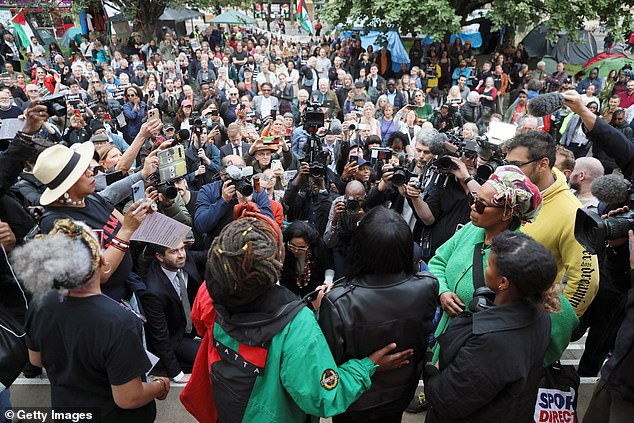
column 352, row 205
column 55, row 105
column 456, row 148
column 241, row 178
column 313, row 117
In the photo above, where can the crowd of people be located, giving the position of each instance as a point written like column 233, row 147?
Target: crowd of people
column 344, row 216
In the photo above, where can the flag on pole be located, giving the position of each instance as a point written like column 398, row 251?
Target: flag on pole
column 303, row 16
column 22, row 30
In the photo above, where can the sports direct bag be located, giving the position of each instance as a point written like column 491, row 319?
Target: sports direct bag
column 557, row 395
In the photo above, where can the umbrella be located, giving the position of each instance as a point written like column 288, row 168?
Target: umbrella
column 607, row 65
column 72, row 33
column 233, row 17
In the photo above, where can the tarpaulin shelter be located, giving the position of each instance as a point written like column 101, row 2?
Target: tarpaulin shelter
column 394, row 45
column 568, row 49
column 233, row 17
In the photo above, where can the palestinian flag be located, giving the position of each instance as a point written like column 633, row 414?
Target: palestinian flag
column 303, row 16
column 22, row 30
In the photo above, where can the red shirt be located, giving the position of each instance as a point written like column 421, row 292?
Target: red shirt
column 627, row 99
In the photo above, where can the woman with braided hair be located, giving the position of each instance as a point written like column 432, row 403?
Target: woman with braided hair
column 268, row 358
column 89, row 344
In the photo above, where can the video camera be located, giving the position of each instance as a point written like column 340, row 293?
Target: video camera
column 591, row 230
column 492, row 150
column 172, row 166
column 454, row 147
column 313, row 117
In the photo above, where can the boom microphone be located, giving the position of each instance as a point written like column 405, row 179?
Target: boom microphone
column 545, row 104
column 612, row 190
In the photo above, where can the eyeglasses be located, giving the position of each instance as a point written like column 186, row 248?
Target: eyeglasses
column 131, row 95
column 233, row 93
column 480, row 206
column 97, row 169
column 294, row 247
column 520, row 164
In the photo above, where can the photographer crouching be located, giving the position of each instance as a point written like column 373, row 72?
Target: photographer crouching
column 217, row 201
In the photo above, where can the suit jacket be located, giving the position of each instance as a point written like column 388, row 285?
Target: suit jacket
column 227, row 149
column 257, row 105
column 166, row 319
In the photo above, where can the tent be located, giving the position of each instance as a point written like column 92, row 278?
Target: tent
column 611, row 63
column 72, row 33
column 394, row 45
column 602, row 56
column 576, row 52
column 233, row 17
column 179, row 15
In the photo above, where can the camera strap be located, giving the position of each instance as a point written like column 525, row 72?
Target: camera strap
column 477, row 270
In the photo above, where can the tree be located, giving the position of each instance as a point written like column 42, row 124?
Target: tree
column 439, row 17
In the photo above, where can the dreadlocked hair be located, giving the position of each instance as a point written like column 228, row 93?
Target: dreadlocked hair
column 243, row 261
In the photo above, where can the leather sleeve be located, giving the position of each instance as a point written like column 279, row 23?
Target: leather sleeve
column 332, row 327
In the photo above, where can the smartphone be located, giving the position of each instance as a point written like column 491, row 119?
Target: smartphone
column 214, row 112
column 256, row 183
column 353, row 159
column 276, row 164
column 153, row 114
column 106, row 116
column 273, row 114
column 113, row 177
column 138, row 191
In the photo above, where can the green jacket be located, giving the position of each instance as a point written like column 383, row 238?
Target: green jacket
column 285, row 379
column 452, row 265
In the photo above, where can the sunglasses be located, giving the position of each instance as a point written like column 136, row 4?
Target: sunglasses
column 295, row 247
column 479, row 206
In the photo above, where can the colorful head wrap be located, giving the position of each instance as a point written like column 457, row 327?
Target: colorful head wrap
column 515, row 191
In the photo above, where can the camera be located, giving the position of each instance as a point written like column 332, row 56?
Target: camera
column 241, row 179
column 495, row 154
column 402, row 175
column 352, row 205
column 456, row 148
column 172, row 166
column 593, row 232
column 313, row 117
column 483, row 299
column 196, row 120
column 55, row 105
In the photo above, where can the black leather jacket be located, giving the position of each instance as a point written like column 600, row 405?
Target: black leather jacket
column 360, row 316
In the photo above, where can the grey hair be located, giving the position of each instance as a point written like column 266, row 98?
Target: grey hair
column 53, row 261
column 426, row 136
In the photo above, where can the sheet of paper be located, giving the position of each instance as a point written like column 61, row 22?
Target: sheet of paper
column 161, row 230
column 153, row 360
column 10, row 127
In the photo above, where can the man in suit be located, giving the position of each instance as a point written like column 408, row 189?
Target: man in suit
column 235, row 145
column 172, row 281
column 326, row 97
column 263, row 104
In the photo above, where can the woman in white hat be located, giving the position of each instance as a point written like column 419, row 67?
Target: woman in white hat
column 70, row 193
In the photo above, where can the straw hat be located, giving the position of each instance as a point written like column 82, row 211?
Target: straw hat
column 59, row 168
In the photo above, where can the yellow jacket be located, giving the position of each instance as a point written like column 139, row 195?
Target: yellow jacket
column 555, row 229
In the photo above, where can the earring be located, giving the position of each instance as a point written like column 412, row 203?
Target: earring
column 109, row 270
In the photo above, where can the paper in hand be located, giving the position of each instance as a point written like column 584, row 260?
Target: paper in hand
column 161, row 230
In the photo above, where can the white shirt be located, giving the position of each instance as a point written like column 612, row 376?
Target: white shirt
column 174, row 280
column 37, row 50
column 265, row 107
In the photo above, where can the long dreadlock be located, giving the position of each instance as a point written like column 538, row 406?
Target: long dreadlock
column 243, row 261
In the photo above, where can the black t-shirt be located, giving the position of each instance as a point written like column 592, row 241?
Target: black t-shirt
column 240, row 56
column 450, row 206
column 88, row 344
column 98, row 214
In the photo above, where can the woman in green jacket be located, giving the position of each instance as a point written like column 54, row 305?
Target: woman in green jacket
column 504, row 202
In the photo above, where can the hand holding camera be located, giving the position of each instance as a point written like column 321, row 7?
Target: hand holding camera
column 349, row 170
column 228, row 191
column 339, row 210
column 36, row 115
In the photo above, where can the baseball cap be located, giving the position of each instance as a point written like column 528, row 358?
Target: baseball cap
column 186, row 103
column 359, row 84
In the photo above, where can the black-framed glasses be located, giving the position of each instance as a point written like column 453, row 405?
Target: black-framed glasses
column 479, row 205
column 520, row 164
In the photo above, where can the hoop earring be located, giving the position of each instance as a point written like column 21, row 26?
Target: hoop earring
column 109, row 270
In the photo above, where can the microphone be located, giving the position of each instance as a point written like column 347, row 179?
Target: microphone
column 612, row 190
column 545, row 104
column 182, row 136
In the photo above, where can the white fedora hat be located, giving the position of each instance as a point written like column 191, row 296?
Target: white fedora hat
column 59, row 168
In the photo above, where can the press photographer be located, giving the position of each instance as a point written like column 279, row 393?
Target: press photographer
column 345, row 213
column 217, row 200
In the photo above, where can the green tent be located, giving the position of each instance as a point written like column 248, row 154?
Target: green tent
column 233, row 17
column 607, row 65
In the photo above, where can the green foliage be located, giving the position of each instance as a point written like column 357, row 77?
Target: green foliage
column 439, row 17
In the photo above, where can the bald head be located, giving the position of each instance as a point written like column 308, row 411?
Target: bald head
column 590, row 166
column 355, row 189
column 232, row 159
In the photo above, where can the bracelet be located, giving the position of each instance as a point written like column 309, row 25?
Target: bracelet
column 122, row 249
column 120, row 245
column 163, row 395
column 118, row 240
column 469, row 179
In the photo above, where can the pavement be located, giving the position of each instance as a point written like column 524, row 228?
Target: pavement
column 36, row 393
